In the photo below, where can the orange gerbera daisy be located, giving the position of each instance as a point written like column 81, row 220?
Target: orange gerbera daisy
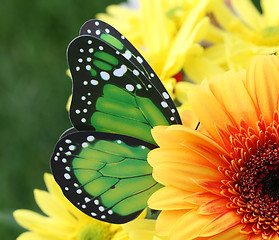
column 222, row 181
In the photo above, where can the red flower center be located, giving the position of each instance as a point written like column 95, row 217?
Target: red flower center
column 252, row 179
column 260, row 182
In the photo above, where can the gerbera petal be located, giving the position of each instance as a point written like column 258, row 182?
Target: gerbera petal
column 167, row 220
column 200, row 198
column 209, row 111
column 263, row 85
column 210, row 185
column 175, row 135
column 176, row 155
column 217, row 205
column 219, row 224
column 182, row 175
column 168, row 179
column 190, row 139
column 189, row 119
column 169, row 198
column 189, row 225
column 232, row 94
column 232, row 233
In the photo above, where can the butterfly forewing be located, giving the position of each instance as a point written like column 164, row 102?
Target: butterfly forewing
column 110, row 94
column 115, row 39
column 104, row 175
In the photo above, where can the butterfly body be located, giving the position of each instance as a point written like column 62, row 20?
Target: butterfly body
column 101, row 165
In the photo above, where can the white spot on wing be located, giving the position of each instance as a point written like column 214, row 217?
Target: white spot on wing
column 135, row 72
column 165, row 95
column 120, row 71
column 127, row 54
column 105, row 76
column 164, row 104
column 130, row 87
column 67, row 176
column 90, row 138
column 139, row 59
column 94, row 82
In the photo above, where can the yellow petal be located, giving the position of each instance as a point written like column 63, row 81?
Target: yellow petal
column 227, row 19
column 155, row 26
column 124, row 20
column 177, row 135
column 200, row 198
column 210, row 185
column 38, row 223
column 55, row 191
column 189, row 225
column 36, row 236
column 180, row 155
column 219, row 224
column 263, row 84
column 230, row 91
column 182, row 89
column 194, row 65
column 216, row 54
column 189, row 119
column 217, row 205
column 232, row 233
column 141, row 229
column 182, row 175
column 248, row 13
column 209, row 111
column 53, row 208
column 169, row 198
column 192, row 29
column 270, row 12
column 167, row 220
column 140, row 224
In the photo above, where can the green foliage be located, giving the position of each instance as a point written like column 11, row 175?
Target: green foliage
column 34, row 90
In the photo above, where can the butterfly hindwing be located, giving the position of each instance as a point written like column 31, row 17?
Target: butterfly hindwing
column 104, row 175
column 111, row 95
column 115, row 39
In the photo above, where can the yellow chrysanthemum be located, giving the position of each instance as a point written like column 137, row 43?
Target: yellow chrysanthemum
column 221, row 182
column 66, row 222
column 247, row 32
column 168, row 34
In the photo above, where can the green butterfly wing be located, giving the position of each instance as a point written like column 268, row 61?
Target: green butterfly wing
column 111, row 95
column 101, row 30
column 104, row 175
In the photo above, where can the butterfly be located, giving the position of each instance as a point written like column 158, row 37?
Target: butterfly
column 101, row 163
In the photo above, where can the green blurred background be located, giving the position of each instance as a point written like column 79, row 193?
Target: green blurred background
column 34, row 90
